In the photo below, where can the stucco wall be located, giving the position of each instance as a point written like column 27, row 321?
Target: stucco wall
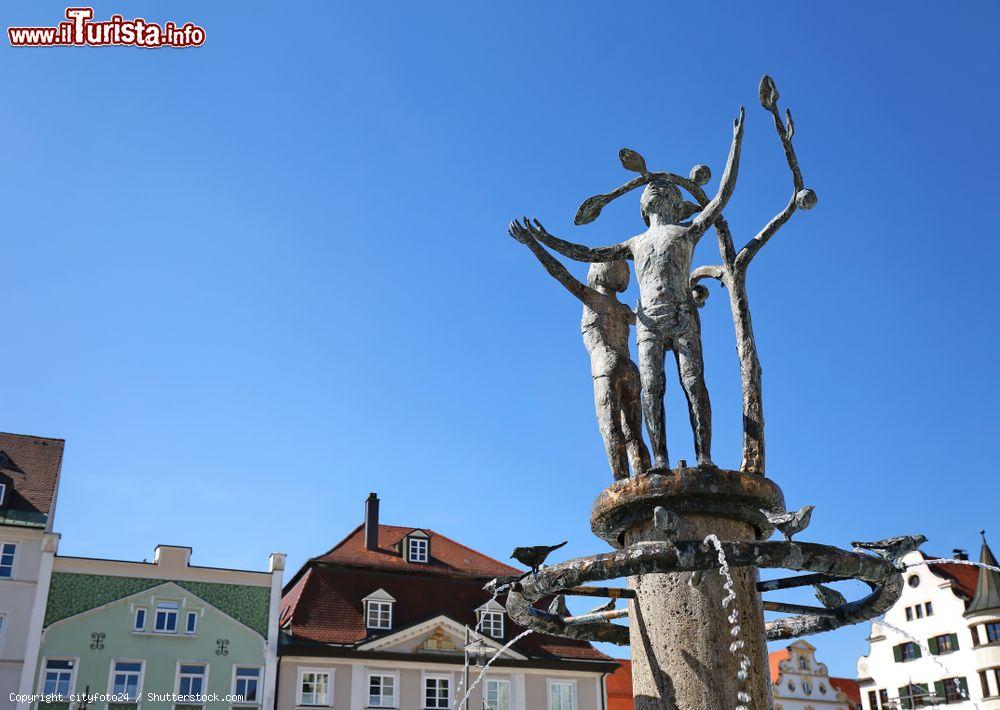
column 17, row 596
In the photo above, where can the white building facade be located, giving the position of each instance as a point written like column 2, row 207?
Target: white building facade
column 940, row 644
column 800, row 682
column 29, row 478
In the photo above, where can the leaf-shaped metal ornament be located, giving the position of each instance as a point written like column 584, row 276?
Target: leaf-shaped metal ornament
column 590, row 209
column 700, row 174
column 768, row 92
column 790, row 124
column 631, row 160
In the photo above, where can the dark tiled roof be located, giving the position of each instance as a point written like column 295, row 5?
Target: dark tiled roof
column 323, row 603
column 447, row 556
column 31, row 465
column 987, row 595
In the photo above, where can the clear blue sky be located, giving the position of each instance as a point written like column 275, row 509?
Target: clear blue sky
column 251, row 282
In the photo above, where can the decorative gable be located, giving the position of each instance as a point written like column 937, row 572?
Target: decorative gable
column 438, row 642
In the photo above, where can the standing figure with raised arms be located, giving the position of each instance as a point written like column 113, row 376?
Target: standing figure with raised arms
column 667, row 317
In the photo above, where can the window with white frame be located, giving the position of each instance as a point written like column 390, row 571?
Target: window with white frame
column 315, row 686
column 8, row 551
column 417, row 549
column 3, row 493
column 379, row 614
column 561, row 695
column 140, row 620
column 57, row 677
column 381, row 690
column 437, row 692
column 496, row 694
column 491, row 623
column 246, row 684
column 166, row 617
column 126, row 680
column 191, row 679
column 191, row 625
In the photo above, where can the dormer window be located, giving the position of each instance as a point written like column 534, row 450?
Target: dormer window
column 378, row 610
column 491, row 619
column 417, row 546
column 3, row 493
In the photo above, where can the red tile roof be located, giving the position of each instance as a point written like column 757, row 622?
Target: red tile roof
column 848, row 687
column 447, row 556
column 774, row 658
column 619, row 686
column 31, row 464
column 323, row 603
column 964, row 577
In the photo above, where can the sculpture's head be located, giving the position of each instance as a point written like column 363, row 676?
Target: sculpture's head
column 612, row 275
column 661, row 198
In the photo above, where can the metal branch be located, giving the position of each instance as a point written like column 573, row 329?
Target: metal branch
column 610, row 592
column 596, row 616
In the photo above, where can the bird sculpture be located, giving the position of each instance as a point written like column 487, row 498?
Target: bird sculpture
column 607, row 606
column 830, row 598
column 790, row 523
column 534, row 557
column 892, row 548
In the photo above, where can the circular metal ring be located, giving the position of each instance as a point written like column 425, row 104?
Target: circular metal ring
column 691, row 556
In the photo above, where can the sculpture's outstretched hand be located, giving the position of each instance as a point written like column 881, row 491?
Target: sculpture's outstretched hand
column 738, row 124
column 520, row 232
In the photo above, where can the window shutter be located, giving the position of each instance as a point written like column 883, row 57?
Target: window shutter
column 933, row 645
column 897, row 653
column 939, row 690
column 954, row 642
column 963, row 687
column 916, row 650
column 904, row 698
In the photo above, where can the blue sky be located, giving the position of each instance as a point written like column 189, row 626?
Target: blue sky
column 251, row 282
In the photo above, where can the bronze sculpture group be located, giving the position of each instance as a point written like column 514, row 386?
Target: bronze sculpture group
column 666, row 318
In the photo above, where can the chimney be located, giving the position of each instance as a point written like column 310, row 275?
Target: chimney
column 960, row 554
column 371, row 522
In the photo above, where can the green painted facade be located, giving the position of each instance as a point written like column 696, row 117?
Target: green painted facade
column 91, row 618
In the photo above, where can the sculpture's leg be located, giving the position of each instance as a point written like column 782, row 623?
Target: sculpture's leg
column 691, row 370
column 631, row 417
column 654, row 386
column 609, row 422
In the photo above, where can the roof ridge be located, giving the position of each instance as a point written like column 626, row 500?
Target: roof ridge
column 32, row 436
column 346, row 538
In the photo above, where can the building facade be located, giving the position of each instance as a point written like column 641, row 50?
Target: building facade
column 940, row 643
column 29, row 479
column 163, row 635
column 800, row 682
column 388, row 617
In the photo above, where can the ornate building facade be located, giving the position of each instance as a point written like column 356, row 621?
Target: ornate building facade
column 940, row 644
column 388, row 617
column 800, row 682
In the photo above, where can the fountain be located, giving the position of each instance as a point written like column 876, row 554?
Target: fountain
column 689, row 540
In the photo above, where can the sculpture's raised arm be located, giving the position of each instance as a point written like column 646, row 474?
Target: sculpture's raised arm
column 714, row 208
column 559, row 272
column 577, row 252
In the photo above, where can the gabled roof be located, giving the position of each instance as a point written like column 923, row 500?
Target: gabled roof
column 848, row 687
column 963, row 577
column 31, row 464
column 774, row 659
column 987, row 594
column 324, row 606
column 447, row 557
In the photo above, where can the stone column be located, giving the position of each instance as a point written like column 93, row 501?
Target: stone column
column 680, row 635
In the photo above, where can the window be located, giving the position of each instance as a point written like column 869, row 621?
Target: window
column 906, row 652
column 909, row 613
column 561, row 696
column 807, row 687
column 913, row 581
column 984, row 677
column 246, row 681
column 929, row 608
column 914, row 695
column 192, row 622
column 437, row 692
column 58, row 676
column 946, row 643
column 379, row 614
column 140, row 620
column 191, row 682
column 992, row 631
column 920, row 611
column 883, row 698
column 872, row 700
column 126, row 679
column 7, row 553
column 951, row 690
column 416, row 549
column 802, row 661
column 314, row 686
column 491, row 623
column 3, row 626
column 975, row 635
column 166, row 617
column 496, row 695
column 3, row 493
column 381, row 691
